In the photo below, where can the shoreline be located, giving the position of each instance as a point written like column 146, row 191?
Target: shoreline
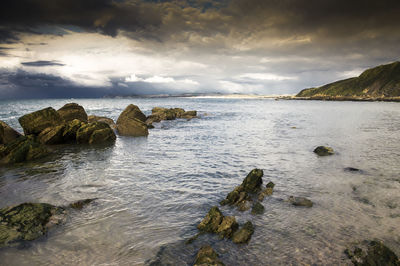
column 341, row 98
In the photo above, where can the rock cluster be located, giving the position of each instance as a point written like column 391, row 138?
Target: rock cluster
column 207, row 257
column 159, row 113
column 216, row 222
column 373, row 253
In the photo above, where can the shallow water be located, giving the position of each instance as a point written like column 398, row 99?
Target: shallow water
column 153, row 191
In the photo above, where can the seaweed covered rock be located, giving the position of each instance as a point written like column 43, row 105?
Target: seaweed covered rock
column 216, row 222
column 324, row 151
column 21, row 150
column 373, row 253
column 269, row 189
column 207, row 257
column 160, row 113
column 251, row 184
column 27, row 221
column 78, row 205
column 300, row 201
column 95, row 133
column 70, row 130
column 52, row 135
column 258, row 208
column 109, row 121
column 72, row 111
column 243, row 235
column 131, row 122
column 36, row 122
column 7, row 133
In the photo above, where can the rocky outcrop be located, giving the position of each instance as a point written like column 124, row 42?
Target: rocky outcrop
column 27, row 221
column 72, row 111
column 7, row 133
column 241, row 194
column 159, row 114
column 207, row 257
column 95, row 133
column 109, row 121
column 216, row 222
column 34, row 123
column 131, row 122
column 21, row 150
column 300, row 201
column 243, row 235
column 70, row 130
column 372, row 253
column 324, row 151
column 52, row 135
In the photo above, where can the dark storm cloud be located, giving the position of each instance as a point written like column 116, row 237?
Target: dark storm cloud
column 42, row 63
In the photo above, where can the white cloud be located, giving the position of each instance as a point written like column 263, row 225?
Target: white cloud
column 266, row 76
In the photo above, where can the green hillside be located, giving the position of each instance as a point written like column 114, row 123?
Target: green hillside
column 378, row 82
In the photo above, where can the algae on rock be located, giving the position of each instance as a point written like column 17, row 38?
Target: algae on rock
column 207, row 257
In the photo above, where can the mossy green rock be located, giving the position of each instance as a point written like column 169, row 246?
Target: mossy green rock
column 72, row 111
column 227, row 227
column 258, row 208
column 211, row 222
column 70, row 130
column 243, row 235
column 52, row 135
column 253, row 181
column 324, row 151
column 380, row 81
column 7, row 133
column 109, row 121
column 131, row 122
column 23, row 149
column 375, row 253
column 27, row 221
column 36, row 122
column 94, row 133
column 207, row 257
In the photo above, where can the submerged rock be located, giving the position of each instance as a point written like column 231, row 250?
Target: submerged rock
column 27, row 221
column 21, row 150
column 36, row 122
column 109, row 121
column 300, row 201
column 7, row 133
column 78, row 205
column 324, row 151
column 269, row 189
column 374, row 253
column 352, row 169
column 258, row 208
column 244, row 205
column 207, row 257
column 244, row 234
column 72, row 111
column 95, row 133
column 131, row 122
column 216, row 222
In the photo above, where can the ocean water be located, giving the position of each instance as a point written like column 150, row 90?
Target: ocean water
column 152, row 192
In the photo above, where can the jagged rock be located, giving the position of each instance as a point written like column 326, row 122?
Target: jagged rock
column 52, row 135
column 324, row 151
column 300, row 201
column 95, row 133
column 215, row 222
column 270, row 185
column 21, row 150
column 36, row 122
column 244, row 234
column 159, row 113
column 244, row 205
column 72, row 111
column 189, row 115
column 109, row 121
column 374, row 253
column 7, row 133
column 258, row 208
column 227, row 227
column 269, row 189
column 131, row 122
column 27, row 221
column 207, row 257
column 70, row 130
column 80, row 204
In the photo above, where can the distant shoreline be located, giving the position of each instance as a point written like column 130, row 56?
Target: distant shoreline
column 342, row 98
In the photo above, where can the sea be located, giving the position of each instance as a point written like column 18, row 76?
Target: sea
column 151, row 192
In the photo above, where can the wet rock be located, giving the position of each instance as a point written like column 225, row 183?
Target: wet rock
column 211, row 222
column 78, row 205
column 324, row 151
column 244, row 205
column 352, row 169
column 270, row 185
column 7, row 133
column 95, row 133
column 36, row 122
column 269, row 189
column 52, row 135
column 159, row 114
column 70, row 130
column 27, row 221
column 21, row 150
column 258, row 208
column 244, row 234
column 109, row 121
column 300, row 201
column 227, row 227
column 207, row 257
column 131, row 122
column 374, row 253
column 189, row 114
column 72, row 111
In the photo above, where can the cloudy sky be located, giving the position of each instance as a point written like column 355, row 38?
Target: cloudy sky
column 92, row 48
